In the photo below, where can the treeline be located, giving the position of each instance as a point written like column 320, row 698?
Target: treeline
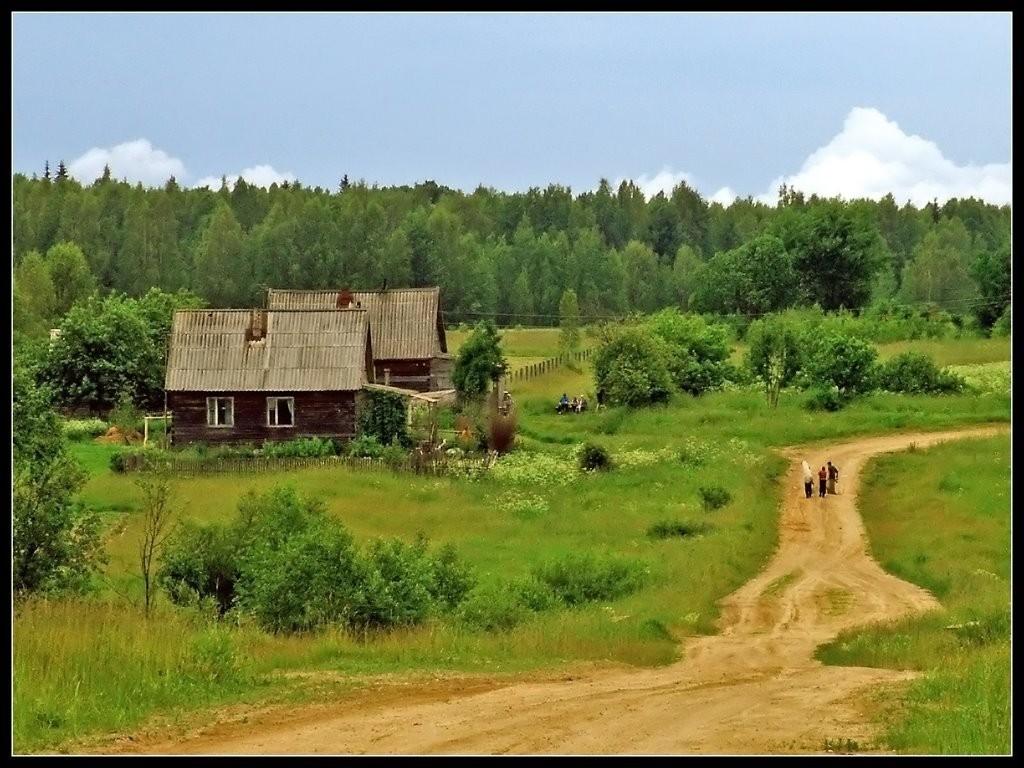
column 509, row 256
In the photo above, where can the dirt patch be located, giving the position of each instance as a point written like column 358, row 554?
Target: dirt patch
column 754, row 688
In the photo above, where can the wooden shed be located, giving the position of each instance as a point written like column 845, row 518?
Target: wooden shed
column 410, row 350
column 249, row 375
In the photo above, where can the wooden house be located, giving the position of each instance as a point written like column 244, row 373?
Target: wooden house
column 410, row 350
column 249, row 375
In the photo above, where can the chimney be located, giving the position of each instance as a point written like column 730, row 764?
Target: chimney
column 257, row 330
column 344, row 299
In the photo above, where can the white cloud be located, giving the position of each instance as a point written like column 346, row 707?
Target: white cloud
column 725, row 196
column 664, row 180
column 872, row 156
column 134, row 160
column 258, row 175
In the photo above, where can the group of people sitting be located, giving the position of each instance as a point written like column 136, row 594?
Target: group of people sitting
column 576, row 405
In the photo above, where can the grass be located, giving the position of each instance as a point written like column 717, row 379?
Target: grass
column 940, row 518
column 92, row 666
column 951, row 351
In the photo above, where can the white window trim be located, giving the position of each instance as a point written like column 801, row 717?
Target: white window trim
column 281, row 426
column 231, row 408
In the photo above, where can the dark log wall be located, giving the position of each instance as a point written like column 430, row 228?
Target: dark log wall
column 420, row 375
column 319, row 414
column 407, row 374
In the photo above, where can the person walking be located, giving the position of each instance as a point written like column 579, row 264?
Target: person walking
column 822, row 480
column 808, row 481
column 833, row 476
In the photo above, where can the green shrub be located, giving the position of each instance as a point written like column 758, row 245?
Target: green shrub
column 365, row 446
column 632, row 369
column 302, row 447
column 1001, row 327
column 824, row 399
column 493, row 608
column 713, row 497
column 843, row 362
column 383, row 415
column 913, row 372
column 479, row 362
column 292, row 567
column 581, row 578
column 696, row 351
column 81, row 429
column 665, row 529
column 131, row 460
column 125, row 416
column 594, row 458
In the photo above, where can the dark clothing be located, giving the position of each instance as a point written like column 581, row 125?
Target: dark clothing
column 821, row 488
column 809, row 489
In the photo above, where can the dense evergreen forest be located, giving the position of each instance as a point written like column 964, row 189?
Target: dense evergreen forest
column 504, row 255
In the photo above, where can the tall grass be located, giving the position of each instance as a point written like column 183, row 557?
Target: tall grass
column 941, row 518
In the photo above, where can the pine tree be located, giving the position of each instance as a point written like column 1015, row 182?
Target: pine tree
column 46, row 170
column 62, row 171
column 344, row 183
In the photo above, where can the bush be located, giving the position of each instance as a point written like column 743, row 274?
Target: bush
column 126, row 417
column 302, row 447
column 130, row 460
column 666, row 529
column 696, row 350
column 501, row 431
column 1001, row 327
column 915, row 373
column 284, row 561
column 581, row 578
column 713, row 497
column 365, row 446
column 843, row 362
column 595, row 458
column 479, row 362
column 632, row 369
column 494, row 608
column 383, row 415
column 824, row 399
column 80, row 429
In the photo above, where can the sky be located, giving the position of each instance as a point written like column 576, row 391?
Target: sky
column 857, row 105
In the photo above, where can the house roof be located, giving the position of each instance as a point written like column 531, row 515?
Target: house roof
column 211, row 351
column 406, row 322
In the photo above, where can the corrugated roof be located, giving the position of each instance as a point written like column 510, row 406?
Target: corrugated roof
column 210, row 351
column 405, row 322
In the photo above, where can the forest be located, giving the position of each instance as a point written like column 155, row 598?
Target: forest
column 505, row 256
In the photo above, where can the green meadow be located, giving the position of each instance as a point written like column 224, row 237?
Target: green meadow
column 94, row 666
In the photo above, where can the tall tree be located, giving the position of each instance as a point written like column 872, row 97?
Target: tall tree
column 35, row 299
column 72, row 279
column 220, row 274
column 940, row 270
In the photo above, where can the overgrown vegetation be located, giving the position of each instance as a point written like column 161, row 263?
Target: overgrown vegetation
column 284, row 562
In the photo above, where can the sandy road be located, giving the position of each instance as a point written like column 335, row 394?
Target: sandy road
column 753, row 688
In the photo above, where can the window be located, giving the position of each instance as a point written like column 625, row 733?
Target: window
column 220, row 411
column 280, row 411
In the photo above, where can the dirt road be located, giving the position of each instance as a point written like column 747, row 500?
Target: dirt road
column 753, row 688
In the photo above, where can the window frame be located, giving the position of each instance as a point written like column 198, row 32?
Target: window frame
column 277, row 412
column 231, row 410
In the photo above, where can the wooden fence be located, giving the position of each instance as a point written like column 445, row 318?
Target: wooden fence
column 188, row 466
column 547, row 366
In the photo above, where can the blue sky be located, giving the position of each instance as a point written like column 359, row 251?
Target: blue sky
column 919, row 104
